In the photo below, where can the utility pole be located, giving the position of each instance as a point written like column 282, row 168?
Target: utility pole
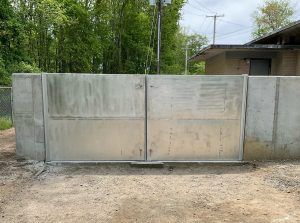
column 159, row 7
column 159, row 4
column 186, row 61
column 215, row 25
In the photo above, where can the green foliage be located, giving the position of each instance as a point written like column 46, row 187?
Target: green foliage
column 24, row 67
column 273, row 15
column 197, row 68
column 90, row 36
column 193, row 43
column 5, row 123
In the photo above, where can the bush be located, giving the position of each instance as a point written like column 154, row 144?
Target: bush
column 24, row 67
column 5, row 123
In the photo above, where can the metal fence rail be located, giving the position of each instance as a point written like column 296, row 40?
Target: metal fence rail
column 5, row 102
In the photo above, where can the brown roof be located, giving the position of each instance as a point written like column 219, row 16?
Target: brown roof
column 292, row 28
column 213, row 50
column 266, row 42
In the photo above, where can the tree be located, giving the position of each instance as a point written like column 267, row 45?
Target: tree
column 193, row 43
column 87, row 36
column 273, row 15
column 12, row 44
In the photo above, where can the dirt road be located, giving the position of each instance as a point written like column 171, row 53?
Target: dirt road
column 34, row 192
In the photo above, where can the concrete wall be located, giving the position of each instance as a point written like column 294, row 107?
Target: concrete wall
column 102, row 117
column 28, row 116
column 273, row 118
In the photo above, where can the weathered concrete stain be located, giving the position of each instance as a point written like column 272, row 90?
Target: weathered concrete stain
column 194, row 118
column 273, row 118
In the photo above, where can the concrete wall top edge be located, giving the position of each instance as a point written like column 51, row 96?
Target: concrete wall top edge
column 277, row 76
column 194, row 76
column 92, row 74
column 26, row 74
column 74, row 74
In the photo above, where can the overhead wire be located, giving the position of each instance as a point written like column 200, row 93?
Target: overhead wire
column 196, row 7
column 241, row 31
column 193, row 13
column 233, row 32
column 246, row 29
column 203, row 6
column 233, row 23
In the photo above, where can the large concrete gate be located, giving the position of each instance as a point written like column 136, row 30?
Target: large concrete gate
column 130, row 117
column 195, row 118
column 94, row 117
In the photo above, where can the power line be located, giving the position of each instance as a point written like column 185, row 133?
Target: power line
column 209, row 10
column 237, row 34
column 234, row 32
column 202, row 23
column 194, row 13
column 233, row 23
column 223, row 20
column 208, row 25
column 196, row 7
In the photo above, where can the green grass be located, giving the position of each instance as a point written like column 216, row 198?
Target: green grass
column 5, row 123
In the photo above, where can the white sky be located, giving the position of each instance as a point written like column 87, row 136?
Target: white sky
column 234, row 28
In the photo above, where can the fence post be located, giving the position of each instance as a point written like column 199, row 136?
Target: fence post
column 243, row 116
column 45, row 113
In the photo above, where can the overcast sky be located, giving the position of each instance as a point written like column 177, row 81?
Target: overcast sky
column 236, row 25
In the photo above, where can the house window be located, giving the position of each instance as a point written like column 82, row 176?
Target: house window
column 260, row 67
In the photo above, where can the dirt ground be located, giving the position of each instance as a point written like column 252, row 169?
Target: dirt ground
column 256, row 192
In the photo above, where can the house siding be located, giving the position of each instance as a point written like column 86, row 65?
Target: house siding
column 298, row 64
column 216, row 65
column 221, row 64
column 284, row 64
column 287, row 63
column 237, row 66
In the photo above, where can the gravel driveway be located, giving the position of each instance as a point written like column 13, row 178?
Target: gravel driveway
column 256, row 192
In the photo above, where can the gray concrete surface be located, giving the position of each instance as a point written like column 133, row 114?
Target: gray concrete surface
column 273, row 118
column 28, row 116
column 194, row 118
column 95, row 117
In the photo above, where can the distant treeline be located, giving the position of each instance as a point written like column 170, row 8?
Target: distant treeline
column 90, row 36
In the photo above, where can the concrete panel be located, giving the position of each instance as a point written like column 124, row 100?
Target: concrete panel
column 194, row 117
column 28, row 116
column 273, row 119
column 195, row 97
column 288, row 126
column 96, row 140
column 193, row 140
column 105, row 96
column 22, row 94
column 260, row 118
column 25, row 144
column 95, row 117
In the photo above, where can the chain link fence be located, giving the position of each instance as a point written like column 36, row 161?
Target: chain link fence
column 5, row 103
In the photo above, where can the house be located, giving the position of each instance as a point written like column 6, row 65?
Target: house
column 277, row 53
